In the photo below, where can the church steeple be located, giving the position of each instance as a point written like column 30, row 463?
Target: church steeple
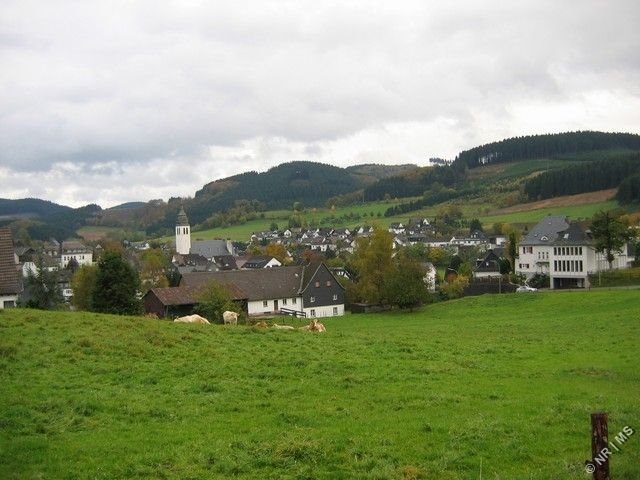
column 183, row 233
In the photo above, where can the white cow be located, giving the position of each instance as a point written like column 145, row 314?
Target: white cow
column 192, row 319
column 230, row 318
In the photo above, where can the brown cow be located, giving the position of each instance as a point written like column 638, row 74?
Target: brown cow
column 314, row 326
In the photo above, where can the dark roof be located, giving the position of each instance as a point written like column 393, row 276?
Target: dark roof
column 226, row 262
column 174, row 295
column 490, row 263
column 309, row 272
column 546, row 230
column 210, row 248
column 74, row 245
column 557, row 230
column 190, row 259
column 10, row 283
column 574, row 235
column 256, row 284
column 257, row 261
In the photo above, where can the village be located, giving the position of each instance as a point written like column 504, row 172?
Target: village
column 303, row 272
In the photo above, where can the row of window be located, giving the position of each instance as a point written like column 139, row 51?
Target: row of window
column 567, row 250
column 313, row 311
column 78, row 257
column 527, row 249
column 568, row 266
column 523, row 265
column 183, row 230
column 294, row 301
column 543, row 255
column 328, row 284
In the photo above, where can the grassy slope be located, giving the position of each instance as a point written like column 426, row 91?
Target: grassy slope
column 507, row 381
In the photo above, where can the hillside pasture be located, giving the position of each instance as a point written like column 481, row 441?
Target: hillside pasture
column 501, row 386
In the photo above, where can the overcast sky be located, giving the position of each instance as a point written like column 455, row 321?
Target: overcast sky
column 113, row 101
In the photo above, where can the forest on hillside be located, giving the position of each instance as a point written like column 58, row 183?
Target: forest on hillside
column 546, row 146
column 583, row 177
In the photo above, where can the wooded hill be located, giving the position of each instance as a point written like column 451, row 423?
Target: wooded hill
column 543, row 166
column 582, row 162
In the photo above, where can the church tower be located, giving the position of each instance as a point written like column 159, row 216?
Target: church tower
column 183, row 233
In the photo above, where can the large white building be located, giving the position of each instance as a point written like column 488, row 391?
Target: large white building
column 564, row 251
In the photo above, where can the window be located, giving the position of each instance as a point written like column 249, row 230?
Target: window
column 312, row 299
column 317, row 284
column 328, row 283
column 265, row 303
column 335, row 296
column 284, row 301
column 9, row 304
column 313, row 312
column 335, row 310
column 294, row 300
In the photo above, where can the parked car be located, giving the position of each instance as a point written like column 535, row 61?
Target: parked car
column 526, row 289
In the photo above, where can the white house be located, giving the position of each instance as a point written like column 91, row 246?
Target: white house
column 76, row 251
column 564, row 251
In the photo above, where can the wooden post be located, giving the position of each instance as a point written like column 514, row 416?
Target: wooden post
column 600, row 451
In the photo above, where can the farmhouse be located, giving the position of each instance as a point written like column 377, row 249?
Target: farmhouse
column 564, row 251
column 487, row 267
column 309, row 290
column 10, row 280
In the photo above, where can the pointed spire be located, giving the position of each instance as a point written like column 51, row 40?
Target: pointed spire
column 182, row 218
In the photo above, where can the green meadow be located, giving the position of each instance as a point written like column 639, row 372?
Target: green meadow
column 491, row 387
column 574, row 212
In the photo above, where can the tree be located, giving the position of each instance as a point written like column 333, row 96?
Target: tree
column 455, row 288
column 277, row 251
column 372, row 263
column 213, row 300
column 474, row 225
column 610, row 233
column 116, row 286
column 512, row 249
column 83, row 284
column 41, row 288
column 153, row 269
column 404, row 285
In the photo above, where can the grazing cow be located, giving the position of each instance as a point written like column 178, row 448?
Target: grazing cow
column 314, row 326
column 283, row 327
column 230, row 318
column 261, row 324
column 192, row 319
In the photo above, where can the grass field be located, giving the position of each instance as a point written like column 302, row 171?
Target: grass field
column 574, row 212
column 493, row 387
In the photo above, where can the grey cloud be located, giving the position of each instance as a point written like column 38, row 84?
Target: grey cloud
column 100, row 84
